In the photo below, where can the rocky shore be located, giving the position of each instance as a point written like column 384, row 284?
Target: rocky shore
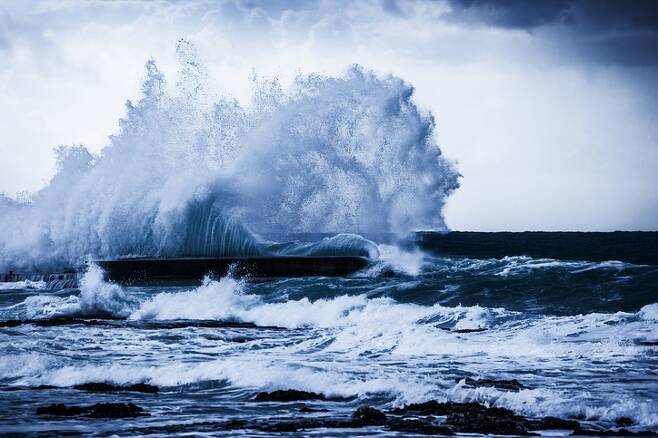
column 428, row 418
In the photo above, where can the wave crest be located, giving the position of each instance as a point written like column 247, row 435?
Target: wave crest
column 188, row 175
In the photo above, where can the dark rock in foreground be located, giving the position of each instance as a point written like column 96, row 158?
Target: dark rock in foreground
column 108, row 387
column 288, row 395
column 477, row 418
column 418, row 426
column 497, row 421
column 624, row 422
column 433, row 407
column 506, row 385
column 459, row 418
column 369, row 416
column 620, row 432
column 553, row 423
column 99, row 410
column 308, row 409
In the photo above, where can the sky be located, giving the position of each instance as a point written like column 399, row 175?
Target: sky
column 549, row 108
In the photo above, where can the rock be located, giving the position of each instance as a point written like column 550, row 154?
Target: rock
column 474, row 330
column 281, row 427
column 307, row 409
column 99, row 410
column 115, row 410
column 471, row 417
column 624, row 422
column 648, row 343
column 288, row 395
column 433, row 407
column 368, row 416
column 108, row 387
column 477, row 418
column 418, row 426
column 489, row 421
column 507, row 385
column 61, row 410
column 620, row 432
column 553, row 423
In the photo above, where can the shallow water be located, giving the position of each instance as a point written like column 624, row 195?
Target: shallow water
column 580, row 336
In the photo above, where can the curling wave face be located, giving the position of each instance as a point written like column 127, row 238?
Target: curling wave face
column 188, row 175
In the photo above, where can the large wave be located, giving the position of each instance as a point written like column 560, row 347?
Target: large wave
column 365, row 329
column 187, row 174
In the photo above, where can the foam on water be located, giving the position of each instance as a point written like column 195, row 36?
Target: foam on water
column 97, row 298
column 385, row 347
column 370, row 323
column 24, row 284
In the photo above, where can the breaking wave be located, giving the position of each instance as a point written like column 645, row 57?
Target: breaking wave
column 191, row 175
column 358, row 327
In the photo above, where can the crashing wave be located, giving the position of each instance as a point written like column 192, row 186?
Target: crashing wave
column 189, row 175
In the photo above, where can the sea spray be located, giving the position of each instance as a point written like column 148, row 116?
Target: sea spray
column 187, row 175
column 97, row 298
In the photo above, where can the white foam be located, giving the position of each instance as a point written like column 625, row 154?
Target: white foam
column 25, row 284
column 186, row 175
column 97, row 297
column 408, row 262
column 649, row 312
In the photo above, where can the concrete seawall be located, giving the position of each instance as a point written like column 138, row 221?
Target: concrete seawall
column 61, row 280
column 185, row 271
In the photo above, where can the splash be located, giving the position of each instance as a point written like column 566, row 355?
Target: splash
column 187, row 175
column 97, row 298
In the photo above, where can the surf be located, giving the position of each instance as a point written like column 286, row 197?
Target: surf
column 189, row 174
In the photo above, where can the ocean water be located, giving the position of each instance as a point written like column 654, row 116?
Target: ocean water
column 194, row 174
column 581, row 337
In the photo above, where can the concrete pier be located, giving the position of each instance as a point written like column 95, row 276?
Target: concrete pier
column 189, row 271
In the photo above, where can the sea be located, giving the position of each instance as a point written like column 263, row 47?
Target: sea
column 193, row 172
column 579, row 337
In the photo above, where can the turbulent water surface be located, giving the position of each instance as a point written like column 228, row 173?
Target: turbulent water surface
column 580, row 337
column 190, row 174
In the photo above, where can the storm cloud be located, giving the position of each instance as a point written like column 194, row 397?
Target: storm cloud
column 606, row 31
column 549, row 107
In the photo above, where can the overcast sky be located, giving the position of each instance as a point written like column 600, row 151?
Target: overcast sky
column 550, row 109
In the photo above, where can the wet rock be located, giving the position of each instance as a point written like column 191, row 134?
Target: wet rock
column 296, row 425
column 308, row 409
column 434, row 407
column 624, row 422
column 99, row 410
column 367, row 416
column 620, row 432
column 108, row 387
column 475, row 330
column 288, row 395
column 418, row 426
column 496, row 421
column 61, row 410
column 282, row 427
column 506, row 385
column 553, row 423
column 477, row 418
column 115, row 410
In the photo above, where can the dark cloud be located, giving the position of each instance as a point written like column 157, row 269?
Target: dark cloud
column 5, row 23
column 606, row 31
column 589, row 15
